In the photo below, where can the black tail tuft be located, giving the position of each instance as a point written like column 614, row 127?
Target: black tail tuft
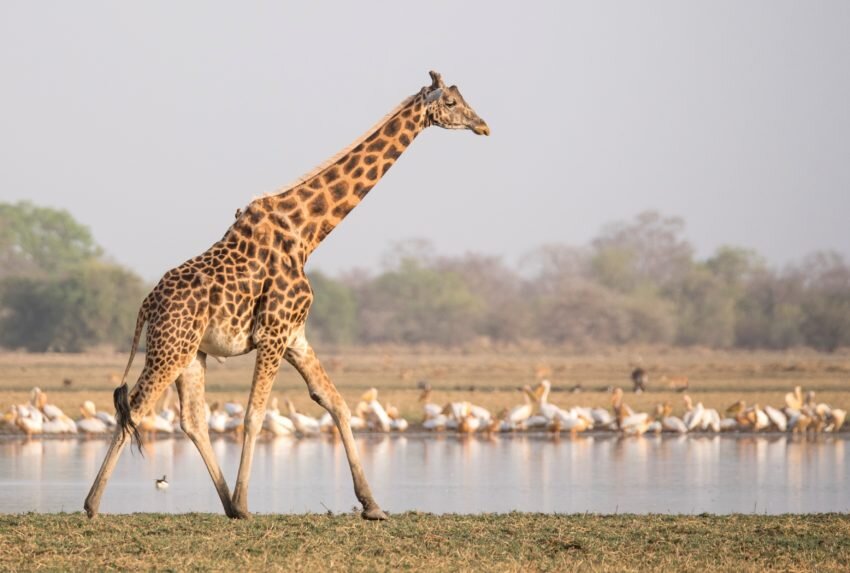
column 122, row 415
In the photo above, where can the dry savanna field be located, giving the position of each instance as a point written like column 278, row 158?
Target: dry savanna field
column 425, row 542
column 416, row 541
column 488, row 378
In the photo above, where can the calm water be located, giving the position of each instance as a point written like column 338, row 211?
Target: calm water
column 717, row 474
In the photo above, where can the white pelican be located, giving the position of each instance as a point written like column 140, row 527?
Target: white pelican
column 673, row 424
column 379, row 417
column 106, row 418
column 741, row 416
column 635, row 424
column 54, row 420
column 305, row 425
column 819, row 414
column 480, row 412
column 573, row 422
column 669, row 422
column 455, row 410
column 837, row 417
column 153, row 423
column 429, row 408
column 519, row 414
column 654, row 427
column 469, row 424
column 59, row 425
column 800, row 423
column 218, row 419
column 758, row 419
column 278, row 425
column 548, row 411
column 602, row 418
column 29, row 420
column 89, row 423
column 693, row 416
column 438, row 422
column 397, row 423
column 376, row 416
column 777, row 418
column 794, row 400
column 582, row 412
column 621, row 409
column 710, row 420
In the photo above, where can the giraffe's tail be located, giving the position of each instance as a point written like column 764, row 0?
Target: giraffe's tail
column 120, row 397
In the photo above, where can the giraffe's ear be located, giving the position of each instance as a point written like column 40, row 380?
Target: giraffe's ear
column 434, row 95
column 436, row 80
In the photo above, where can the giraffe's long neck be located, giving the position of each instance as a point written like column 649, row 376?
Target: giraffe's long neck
column 316, row 204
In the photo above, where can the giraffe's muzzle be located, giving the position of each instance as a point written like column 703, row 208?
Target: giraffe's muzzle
column 481, row 129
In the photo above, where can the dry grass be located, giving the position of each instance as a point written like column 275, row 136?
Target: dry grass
column 488, row 378
column 413, row 541
column 424, row 542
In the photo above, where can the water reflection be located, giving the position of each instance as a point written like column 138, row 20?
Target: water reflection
column 464, row 474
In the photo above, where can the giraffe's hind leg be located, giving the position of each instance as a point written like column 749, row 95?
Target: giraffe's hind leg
column 92, row 504
column 156, row 376
column 190, row 387
column 322, row 390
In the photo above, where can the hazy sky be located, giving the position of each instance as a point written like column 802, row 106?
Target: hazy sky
column 152, row 122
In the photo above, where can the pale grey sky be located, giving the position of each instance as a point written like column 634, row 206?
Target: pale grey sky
column 152, row 122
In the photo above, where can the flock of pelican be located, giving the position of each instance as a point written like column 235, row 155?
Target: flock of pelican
column 38, row 417
column 801, row 414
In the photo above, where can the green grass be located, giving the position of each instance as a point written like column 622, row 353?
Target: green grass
column 425, row 542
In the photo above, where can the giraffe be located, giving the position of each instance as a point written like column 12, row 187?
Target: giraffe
column 249, row 292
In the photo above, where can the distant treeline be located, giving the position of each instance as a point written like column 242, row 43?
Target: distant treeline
column 57, row 291
column 637, row 282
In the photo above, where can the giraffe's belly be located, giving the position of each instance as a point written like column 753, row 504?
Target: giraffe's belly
column 225, row 340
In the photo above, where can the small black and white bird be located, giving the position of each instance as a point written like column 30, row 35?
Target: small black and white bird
column 162, row 483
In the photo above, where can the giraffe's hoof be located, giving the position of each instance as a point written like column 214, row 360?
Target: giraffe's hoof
column 235, row 513
column 374, row 514
column 90, row 511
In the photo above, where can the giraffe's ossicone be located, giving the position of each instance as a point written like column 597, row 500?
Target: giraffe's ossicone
column 249, row 291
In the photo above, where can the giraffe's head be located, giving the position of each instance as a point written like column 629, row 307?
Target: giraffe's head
column 446, row 108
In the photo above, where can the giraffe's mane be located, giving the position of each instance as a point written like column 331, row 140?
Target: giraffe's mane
column 336, row 157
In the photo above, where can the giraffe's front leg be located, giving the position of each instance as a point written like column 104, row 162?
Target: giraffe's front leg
column 322, row 390
column 190, row 387
column 265, row 370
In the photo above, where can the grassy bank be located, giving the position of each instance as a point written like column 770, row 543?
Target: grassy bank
column 426, row 542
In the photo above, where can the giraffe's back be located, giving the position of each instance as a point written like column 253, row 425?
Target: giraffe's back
column 219, row 295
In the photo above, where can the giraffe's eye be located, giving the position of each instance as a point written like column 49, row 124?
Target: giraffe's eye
column 450, row 102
